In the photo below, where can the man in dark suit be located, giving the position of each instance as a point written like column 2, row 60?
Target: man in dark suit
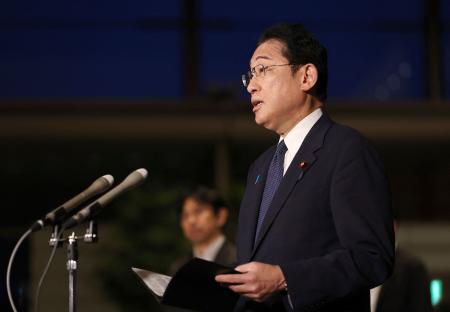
column 315, row 226
column 203, row 216
column 408, row 289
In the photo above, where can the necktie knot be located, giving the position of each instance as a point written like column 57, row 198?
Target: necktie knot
column 281, row 149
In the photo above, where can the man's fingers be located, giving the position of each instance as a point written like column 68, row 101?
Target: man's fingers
column 243, row 289
column 243, row 268
column 230, row 278
column 247, row 291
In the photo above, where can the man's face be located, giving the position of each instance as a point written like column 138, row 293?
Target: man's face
column 276, row 96
column 199, row 222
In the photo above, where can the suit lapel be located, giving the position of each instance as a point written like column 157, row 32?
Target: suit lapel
column 302, row 162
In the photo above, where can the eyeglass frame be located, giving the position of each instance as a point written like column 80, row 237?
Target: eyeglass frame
column 248, row 76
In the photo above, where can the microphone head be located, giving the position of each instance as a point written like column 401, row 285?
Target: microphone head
column 134, row 179
column 70, row 207
column 101, row 184
column 109, row 178
column 143, row 172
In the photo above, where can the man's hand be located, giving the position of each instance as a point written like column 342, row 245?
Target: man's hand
column 258, row 280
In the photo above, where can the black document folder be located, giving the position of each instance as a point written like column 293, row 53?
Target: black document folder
column 192, row 287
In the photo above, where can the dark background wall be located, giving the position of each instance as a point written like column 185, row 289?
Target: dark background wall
column 111, row 49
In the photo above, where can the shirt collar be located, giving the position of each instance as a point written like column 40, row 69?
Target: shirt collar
column 300, row 130
column 212, row 250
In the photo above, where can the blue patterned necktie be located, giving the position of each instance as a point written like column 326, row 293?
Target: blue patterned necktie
column 274, row 177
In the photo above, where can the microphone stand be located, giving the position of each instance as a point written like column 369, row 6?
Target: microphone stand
column 54, row 239
column 91, row 236
column 72, row 258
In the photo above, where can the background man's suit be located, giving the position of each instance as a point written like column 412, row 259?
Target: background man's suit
column 329, row 226
column 408, row 288
column 225, row 256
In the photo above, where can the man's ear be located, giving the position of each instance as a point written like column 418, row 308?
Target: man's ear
column 222, row 216
column 308, row 77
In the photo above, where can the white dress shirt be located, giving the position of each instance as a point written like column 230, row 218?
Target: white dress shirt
column 374, row 295
column 212, row 250
column 296, row 136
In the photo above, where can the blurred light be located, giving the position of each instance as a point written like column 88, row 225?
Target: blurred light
column 436, row 291
column 393, row 82
column 382, row 93
column 404, row 70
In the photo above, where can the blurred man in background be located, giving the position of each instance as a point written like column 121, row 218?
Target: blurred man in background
column 408, row 289
column 203, row 216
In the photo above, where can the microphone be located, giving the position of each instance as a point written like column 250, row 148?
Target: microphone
column 133, row 180
column 68, row 208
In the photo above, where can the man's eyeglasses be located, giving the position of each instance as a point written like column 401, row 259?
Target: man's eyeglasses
column 258, row 70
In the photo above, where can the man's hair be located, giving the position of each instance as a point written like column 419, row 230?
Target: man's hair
column 205, row 195
column 301, row 48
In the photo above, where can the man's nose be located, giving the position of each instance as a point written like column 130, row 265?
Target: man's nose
column 191, row 219
column 252, row 85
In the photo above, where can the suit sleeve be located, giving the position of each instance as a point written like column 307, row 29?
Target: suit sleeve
column 361, row 212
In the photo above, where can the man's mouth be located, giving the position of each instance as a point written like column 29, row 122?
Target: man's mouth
column 256, row 105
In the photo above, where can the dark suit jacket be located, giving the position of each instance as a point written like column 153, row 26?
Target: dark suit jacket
column 407, row 290
column 329, row 226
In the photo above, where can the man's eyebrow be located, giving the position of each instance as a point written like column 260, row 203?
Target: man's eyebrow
column 260, row 57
